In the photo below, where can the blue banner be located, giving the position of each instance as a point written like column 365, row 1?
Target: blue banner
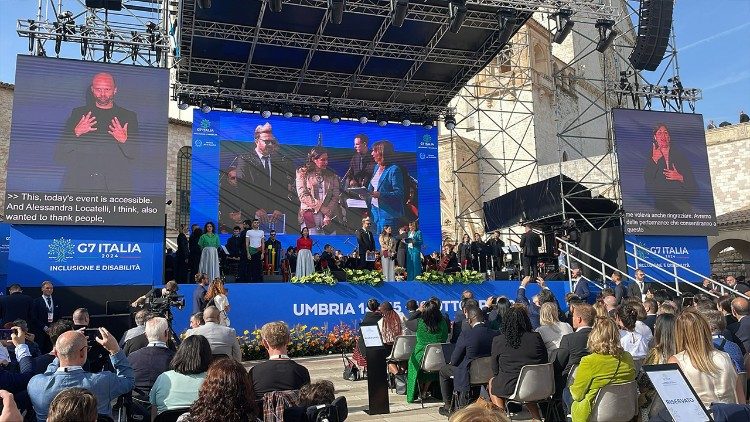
column 317, row 175
column 86, row 256
column 317, row 305
column 4, row 249
column 689, row 251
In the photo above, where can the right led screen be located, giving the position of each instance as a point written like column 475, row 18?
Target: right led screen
column 664, row 174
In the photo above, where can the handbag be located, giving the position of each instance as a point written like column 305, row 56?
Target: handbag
column 400, row 381
column 351, row 371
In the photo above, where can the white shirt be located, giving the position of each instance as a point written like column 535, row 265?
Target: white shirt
column 642, row 329
column 254, row 237
column 374, row 182
column 634, row 343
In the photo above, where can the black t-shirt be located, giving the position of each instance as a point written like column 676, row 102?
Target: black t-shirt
column 278, row 375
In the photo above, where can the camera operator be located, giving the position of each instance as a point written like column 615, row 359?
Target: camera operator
column 572, row 234
column 169, row 289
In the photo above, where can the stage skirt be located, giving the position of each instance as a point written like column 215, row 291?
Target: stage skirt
column 305, row 264
column 210, row 262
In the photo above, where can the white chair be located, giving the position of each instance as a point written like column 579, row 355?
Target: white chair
column 435, row 356
column 536, row 383
column 403, row 347
column 615, row 403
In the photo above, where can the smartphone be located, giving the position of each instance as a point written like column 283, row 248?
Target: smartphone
column 687, row 301
column 91, row 334
column 5, row 333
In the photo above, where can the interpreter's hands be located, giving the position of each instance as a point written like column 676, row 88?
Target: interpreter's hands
column 656, row 154
column 85, row 125
column 18, row 337
column 276, row 216
column 262, row 216
column 118, row 131
column 10, row 409
column 525, row 281
column 673, row 174
column 108, row 341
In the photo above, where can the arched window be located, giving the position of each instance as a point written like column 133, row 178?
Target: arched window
column 182, row 210
column 565, row 156
column 540, row 59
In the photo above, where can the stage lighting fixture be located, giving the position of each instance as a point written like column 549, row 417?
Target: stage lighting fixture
column 334, row 116
column 276, row 5
column 206, row 106
column 382, row 121
column 428, row 124
column 363, row 118
column 607, row 34
column 506, row 19
column 265, row 111
column 399, row 8
column 182, row 105
column 336, row 9
column 457, row 14
column 406, row 122
column 204, row 4
column 563, row 24
column 315, row 117
column 237, row 109
column 450, row 121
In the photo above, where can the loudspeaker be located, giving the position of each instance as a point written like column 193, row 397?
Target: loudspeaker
column 105, row 4
column 654, row 27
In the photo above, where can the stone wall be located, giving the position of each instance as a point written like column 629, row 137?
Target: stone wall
column 729, row 159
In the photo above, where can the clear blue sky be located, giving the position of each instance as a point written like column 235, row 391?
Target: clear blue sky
column 712, row 39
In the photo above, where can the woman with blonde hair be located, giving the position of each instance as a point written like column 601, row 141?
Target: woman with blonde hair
column 607, row 364
column 551, row 328
column 216, row 295
column 479, row 412
column 710, row 372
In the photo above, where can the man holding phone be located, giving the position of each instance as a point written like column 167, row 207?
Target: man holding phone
column 16, row 381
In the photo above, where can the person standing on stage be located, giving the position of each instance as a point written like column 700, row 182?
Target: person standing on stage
column 366, row 243
column 464, row 252
column 413, row 251
column 479, row 253
column 386, row 188
column 44, row 311
column 305, row 265
column 273, row 251
column 400, row 240
column 195, row 250
column 209, row 244
column 495, row 246
column 183, row 252
column 255, row 246
column 235, row 245
column 244, row 271
column 387, row 252
column 530, row 244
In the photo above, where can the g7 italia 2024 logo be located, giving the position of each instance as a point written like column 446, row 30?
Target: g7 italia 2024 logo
column 61, row 250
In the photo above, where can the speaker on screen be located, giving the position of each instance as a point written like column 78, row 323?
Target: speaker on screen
column 105, row 4
column 654, row 27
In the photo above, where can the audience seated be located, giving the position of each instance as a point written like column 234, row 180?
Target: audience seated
column 431, row 328
column 474, row 342
column 33, row 347
column 573, row 346
column 196, row 320
column 279, row 372
column 517, row 346
column 710, row 372
column 223, row 340
column 607, row 364
column 314, row 394
column 73, row 404
column 551, row 328
column 226, row 395
column 717, row 325
column 153, row 360
column 479, row 412
column 741, row 329
column 650, row 306
column 390, row 324
column 12, row 381
column 545, row 295
column 664, row 344
column 459, row 321
column 55, row 330
column 178, row 387
column 140, row 327
column 66, row 371
column 631, row 340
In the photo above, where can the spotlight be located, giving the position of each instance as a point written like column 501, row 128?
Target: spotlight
column 265, row 111
column 363, row 118
column 450, row 121
column 336, row 8
column 382, row 122
column 406, row 122
column 457, row 14
column 182, row 105
column 275, row 5
column 315, row 117
column 607, row 34
column 563, row 25
column 428, row 124
column 506, row 18
column 237, row 109
column 334, row 116
column 286, row 111
column 206, row 106
column 399, row 8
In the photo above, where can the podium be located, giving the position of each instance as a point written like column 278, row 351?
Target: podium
column 377, row 371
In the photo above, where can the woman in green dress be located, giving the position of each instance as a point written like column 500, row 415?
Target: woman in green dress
column 431, row 328
column 209, row 243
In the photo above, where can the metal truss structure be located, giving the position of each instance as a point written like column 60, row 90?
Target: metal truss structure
column 226, row 82
column 136, row 34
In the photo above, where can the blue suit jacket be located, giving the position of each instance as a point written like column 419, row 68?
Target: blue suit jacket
column 106, row 386
column 391, row 188
column 472, row 343
column 582, row 289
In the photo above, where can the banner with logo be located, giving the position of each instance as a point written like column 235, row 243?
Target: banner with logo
column 86, row 256
column 4, row 248
column 292, row 172
column 688, row 251
column 316, row 305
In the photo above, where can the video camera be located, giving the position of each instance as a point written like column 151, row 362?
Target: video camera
column 162, row 304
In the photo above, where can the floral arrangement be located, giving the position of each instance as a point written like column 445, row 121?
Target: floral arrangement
column 400, row 273
column 312, row 341
column 371, row 277
column 463, row 277
column 324, row 277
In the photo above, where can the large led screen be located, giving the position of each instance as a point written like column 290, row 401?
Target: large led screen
column 664, row 174
column 88, row 144
column 292, row 173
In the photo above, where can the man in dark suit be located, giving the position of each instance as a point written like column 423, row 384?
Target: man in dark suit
column 496, row 250
column 16, row 305
column 44, row 311
column 151, row 361
column 530, row 244
column 573, row 346
column 741, row 330
column 473, row 343
column 266, row 177
column 366, row 243
column 181, row 257
column 639, row 287
column 651, row 308
column 620, row 291
column 460, row 322
column 580, row 285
